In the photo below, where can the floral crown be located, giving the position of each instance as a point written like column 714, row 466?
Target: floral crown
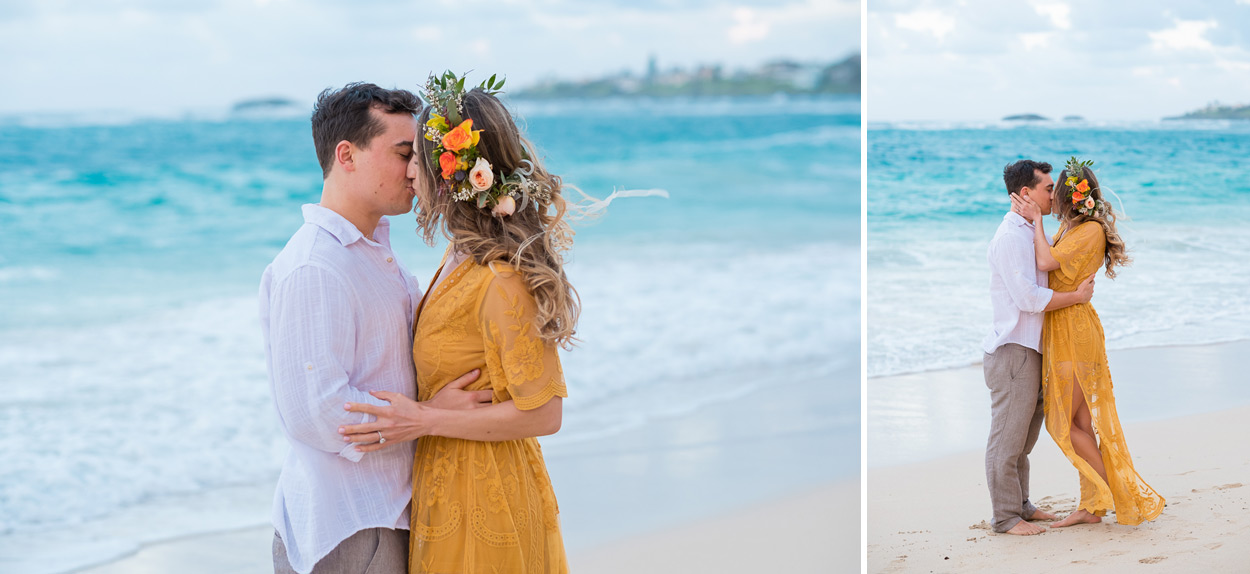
column 466, row 174
column 1082, row 200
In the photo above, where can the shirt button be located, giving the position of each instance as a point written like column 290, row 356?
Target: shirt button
column 390, row 259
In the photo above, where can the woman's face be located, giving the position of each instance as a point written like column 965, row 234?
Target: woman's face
column 416, row 174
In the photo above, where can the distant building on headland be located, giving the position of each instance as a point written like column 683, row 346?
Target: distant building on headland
column 778, row 76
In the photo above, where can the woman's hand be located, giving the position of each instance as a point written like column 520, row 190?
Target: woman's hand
column 402, row 420
column 1025, row 207
column 405, row 419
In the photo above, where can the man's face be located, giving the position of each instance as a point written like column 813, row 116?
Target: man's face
column 1043, row 192
column 383, row 167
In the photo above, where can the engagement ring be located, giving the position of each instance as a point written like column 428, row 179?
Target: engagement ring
column 381, row 439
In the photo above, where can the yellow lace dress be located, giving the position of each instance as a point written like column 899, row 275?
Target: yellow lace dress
column 484, row 506
column 1074, row 349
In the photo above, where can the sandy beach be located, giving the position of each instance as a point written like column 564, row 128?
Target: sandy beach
column 756, row 483
column 932, row 516
column 815, row 531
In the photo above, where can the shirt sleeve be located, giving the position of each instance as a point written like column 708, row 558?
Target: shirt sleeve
column 312, row 344
column 1016, row 263
column 519, row 361
column 1076, row 249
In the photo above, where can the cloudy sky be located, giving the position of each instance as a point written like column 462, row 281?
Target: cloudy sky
column 165, row 57
column 1102, row 59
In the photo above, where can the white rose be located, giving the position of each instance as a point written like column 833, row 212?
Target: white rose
column 505, row 207
column 481, row 177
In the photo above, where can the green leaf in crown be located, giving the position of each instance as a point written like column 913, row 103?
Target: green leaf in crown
column 467, row 175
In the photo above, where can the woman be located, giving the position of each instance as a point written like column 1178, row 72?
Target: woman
column 500, row 302
column 1076, row 383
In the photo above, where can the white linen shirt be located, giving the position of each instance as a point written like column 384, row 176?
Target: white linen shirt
column 1018, row 290
column 336, row 312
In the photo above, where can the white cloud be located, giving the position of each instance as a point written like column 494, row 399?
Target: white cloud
column 1187, row 35
column 1036, row 40
column 929, row 21
column 1240, row 67
column 427, row 33
column 749, row 27
column 202, row 56
column 1060, row 14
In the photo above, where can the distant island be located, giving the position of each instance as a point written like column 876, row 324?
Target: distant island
column 1216, row 111
column 1026, row 118
column 779, row 76
column 267, row 107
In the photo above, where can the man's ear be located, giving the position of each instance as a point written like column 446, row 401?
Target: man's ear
column 344, row 155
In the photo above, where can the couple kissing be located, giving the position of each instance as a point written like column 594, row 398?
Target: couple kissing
column 1045, row 358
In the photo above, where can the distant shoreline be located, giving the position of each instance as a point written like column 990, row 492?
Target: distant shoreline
column 1215, row 111
column 775, row 77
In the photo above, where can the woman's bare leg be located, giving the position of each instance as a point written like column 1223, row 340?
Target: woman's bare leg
column 1085, row 443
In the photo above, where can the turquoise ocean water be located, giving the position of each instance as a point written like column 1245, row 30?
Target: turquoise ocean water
column 936, row 197
column 131, row 249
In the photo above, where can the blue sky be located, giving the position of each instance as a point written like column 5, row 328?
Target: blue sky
column 1102, row 59
column 161, row 57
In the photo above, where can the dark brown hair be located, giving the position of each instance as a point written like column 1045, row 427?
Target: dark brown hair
column 1115, row 253
column 1023, row 173
column 344, row 115
column 531, row 239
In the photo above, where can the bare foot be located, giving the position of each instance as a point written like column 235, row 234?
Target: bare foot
column 1040, row 514
column 1023, row 528
column 1078, row 517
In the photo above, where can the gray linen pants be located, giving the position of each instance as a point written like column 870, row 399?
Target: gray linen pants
column 1013, row 374
column 368, row 551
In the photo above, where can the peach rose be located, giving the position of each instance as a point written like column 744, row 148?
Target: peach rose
column 481, row 177
column 505, row 207
column 447, row 161
column 459, row 137
column 1089, row 203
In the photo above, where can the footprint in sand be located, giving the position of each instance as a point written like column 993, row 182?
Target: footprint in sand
column 1214, row 545
column 1220, row 487
column 1153, row 560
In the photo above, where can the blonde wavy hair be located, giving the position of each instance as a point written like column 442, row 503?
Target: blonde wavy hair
column 1116, row 254
column 532, row 239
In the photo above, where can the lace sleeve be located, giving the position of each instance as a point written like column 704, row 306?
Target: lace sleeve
column 1076, row 249
column 519, row 361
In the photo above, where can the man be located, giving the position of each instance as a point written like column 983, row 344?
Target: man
column 1013, row 363
column 336, row 311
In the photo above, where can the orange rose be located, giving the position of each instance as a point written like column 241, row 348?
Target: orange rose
column 459, row 137
column 447, row 161
column 1083, row 186
column 1077, row 196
